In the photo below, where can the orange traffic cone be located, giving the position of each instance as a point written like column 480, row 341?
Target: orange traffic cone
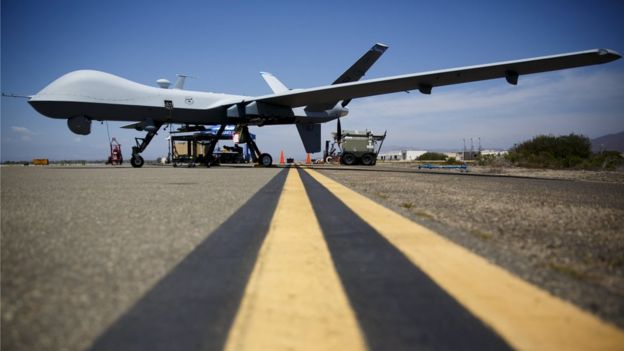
column 282, row 158
column 308, row 160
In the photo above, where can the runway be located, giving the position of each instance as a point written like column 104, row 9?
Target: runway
column 239, row 258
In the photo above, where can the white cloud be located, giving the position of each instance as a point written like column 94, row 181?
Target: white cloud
column 565, row 86
column 22, row 130
column 24, row 133
column 557, row 103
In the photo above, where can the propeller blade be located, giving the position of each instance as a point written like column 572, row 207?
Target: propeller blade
column 338, row 131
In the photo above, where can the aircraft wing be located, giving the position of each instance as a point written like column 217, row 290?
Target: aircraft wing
column 424, row 82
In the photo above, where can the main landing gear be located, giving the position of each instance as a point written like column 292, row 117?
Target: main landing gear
column 141, row 144
column 213, row 144
column 264, row 160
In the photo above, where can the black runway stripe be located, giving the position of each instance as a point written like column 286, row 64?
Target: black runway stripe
column 397, row 305
column 194, row 306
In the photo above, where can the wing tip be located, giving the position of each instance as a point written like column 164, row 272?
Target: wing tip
column 379, row 47
column 611, row 54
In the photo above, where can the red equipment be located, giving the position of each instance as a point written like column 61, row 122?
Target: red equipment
column 115, row 157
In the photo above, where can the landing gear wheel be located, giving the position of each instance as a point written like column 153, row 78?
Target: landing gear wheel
column 368, row 159
column 348, row 159
column 265, row 160
column 137, row 161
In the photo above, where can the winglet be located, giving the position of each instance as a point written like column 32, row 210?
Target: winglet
column 379, row 47
column 353, row 74
column 609, row 55
column 359, row 68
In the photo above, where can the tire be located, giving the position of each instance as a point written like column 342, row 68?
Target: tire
column 265, row 160
column 348, row 159
column 137, row 161
column 368, row 159
column 329, row 159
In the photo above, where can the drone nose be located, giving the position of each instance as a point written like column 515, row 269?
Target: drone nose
column 41, row 106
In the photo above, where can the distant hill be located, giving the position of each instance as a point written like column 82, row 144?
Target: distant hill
column 613, row 142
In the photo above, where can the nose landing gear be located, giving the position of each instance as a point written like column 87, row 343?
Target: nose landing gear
column 141, row 144
column 137, row 161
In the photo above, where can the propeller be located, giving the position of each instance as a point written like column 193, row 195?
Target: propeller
column 338, row 131
column 344, row 103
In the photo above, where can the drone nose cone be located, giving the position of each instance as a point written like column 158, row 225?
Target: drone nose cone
column 48, row 104
column 52, row 99
column 43, row 107
column 73, row 93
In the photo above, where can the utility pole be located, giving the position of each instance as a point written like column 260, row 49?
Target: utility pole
column 471, row 149
column 464, row 152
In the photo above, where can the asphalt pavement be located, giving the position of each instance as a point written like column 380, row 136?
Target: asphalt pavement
column 159, row 258
column 81, row 245
column 565, row 235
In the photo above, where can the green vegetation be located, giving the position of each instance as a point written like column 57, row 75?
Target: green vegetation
column 568, row 270
column 383, row 196
column 605, row 160
column 453, row 161
column 423, row 214
column 567, row 151
column 432, row 156
column 16, row 162
column 481, row 234
column 487, row 160
column 407, row 205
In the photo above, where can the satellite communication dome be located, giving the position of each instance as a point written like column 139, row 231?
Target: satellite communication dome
column 163, row 83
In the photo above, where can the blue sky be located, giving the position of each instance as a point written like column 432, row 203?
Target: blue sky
column 227, row 43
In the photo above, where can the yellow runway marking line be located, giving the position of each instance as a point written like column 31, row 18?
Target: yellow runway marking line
column 294, row 299
column 527, row 317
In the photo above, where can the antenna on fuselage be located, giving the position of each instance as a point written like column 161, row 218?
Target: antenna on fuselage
column 180, row 81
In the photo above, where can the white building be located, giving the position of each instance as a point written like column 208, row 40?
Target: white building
column 456, row 155
column 400, row 155
column 494, row 152
column 412, row 155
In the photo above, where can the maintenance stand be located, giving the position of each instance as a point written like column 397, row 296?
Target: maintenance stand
column 199, row 147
